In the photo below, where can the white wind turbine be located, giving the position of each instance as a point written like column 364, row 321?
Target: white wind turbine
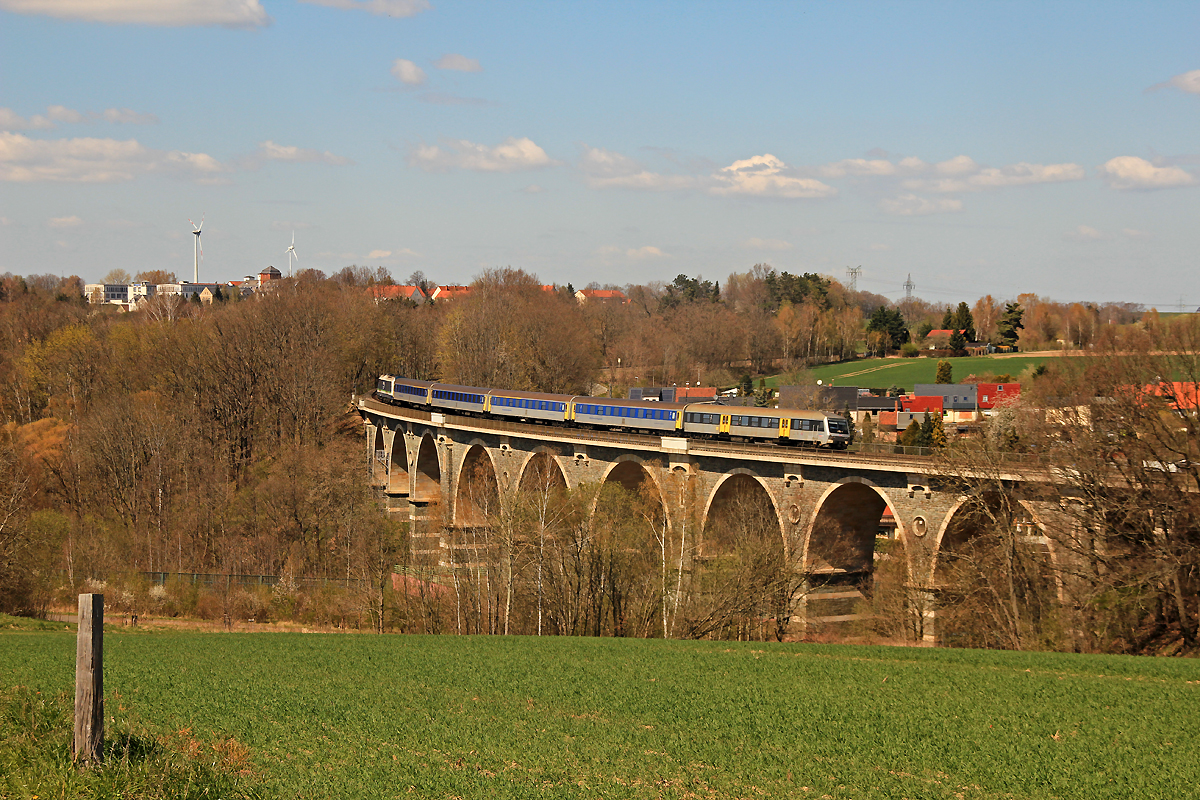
column 198, row 250
column 291, row 253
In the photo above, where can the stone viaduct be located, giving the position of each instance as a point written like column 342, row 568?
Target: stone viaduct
column 446, row 467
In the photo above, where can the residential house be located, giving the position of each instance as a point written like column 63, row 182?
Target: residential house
column 449, row 293
column 601, row 296
column 960, row 401
column 411, row 293
column 992, row 395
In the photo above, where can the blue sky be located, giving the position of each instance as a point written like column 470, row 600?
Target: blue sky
column 984, row 148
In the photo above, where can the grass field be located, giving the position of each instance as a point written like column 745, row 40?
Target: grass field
column 907, row 372
column 328, row 715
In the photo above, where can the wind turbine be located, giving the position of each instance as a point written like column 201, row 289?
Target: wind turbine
column 198, row 250
column 291, row 251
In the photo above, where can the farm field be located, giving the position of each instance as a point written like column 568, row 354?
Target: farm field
column 391, row 716
column 908, row 372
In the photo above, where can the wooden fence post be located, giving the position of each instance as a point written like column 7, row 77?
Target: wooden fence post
column 89, row 679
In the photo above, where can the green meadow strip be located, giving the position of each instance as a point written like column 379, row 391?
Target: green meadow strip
column 390, row 716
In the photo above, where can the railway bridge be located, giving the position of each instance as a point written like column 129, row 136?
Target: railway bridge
column 452, row 471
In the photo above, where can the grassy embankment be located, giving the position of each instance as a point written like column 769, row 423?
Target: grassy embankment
column 908, row 372
column 385, row 716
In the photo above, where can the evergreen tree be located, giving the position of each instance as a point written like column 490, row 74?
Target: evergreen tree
column 763, row 395
column 958, row 343
column 964, row 321
column 925, row 436
column 1010, row 323
column 850, row 423
column 948, row 319
column 910, row 436
column 939, row 434
column 945, row 372
column 868, row 429
column 890, row 322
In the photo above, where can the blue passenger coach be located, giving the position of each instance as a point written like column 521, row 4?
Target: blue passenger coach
column 458, row 398
column 528, row 405
column 634, row 414
column 411, row 392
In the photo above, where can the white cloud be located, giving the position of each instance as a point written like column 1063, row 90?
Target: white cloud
column 65, row 222
column 755, row 243
column 26, row 160
column 277, row 152
column 383, row 8
column 766, row 176
column 1086, row 233
column 1133, row 233
column 634, row 253
column 759, row 176
column 379, row 254
column 64, row 114
column 1131, row 172
column 1186, row 82
column 605, row 169
column 127, row 116
column 909, row 205
column 962, row 174
column 959, row 165
column 12, row 121
column 1025, row 173
column 511, row 155
column 458, row 63
column 167, row 13
column 857, row 167
column 407, row 72
column 532, row 188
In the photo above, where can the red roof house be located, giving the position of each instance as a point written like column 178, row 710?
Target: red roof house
column 601, row 295
column 412, row 293
column 450, row 292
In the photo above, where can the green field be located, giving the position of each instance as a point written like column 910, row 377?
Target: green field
column 395, row 716
column 907, row 372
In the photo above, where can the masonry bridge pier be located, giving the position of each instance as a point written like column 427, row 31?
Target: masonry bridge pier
column 451, row 471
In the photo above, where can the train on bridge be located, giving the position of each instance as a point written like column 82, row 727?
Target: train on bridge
column 708, row 420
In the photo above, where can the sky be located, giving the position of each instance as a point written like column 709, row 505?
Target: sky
column 982, row 148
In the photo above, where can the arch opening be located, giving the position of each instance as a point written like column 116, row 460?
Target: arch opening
column 378, row 456
column 477, row 499
column 851, row 562
column 428, row 487
column 746, row 586
column 994, row 577
column 844, row 531
column 542, row 475
column 630, row 540
column 398, row 475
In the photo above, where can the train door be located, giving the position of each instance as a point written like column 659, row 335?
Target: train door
column 785, row 427
column 724, row 426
